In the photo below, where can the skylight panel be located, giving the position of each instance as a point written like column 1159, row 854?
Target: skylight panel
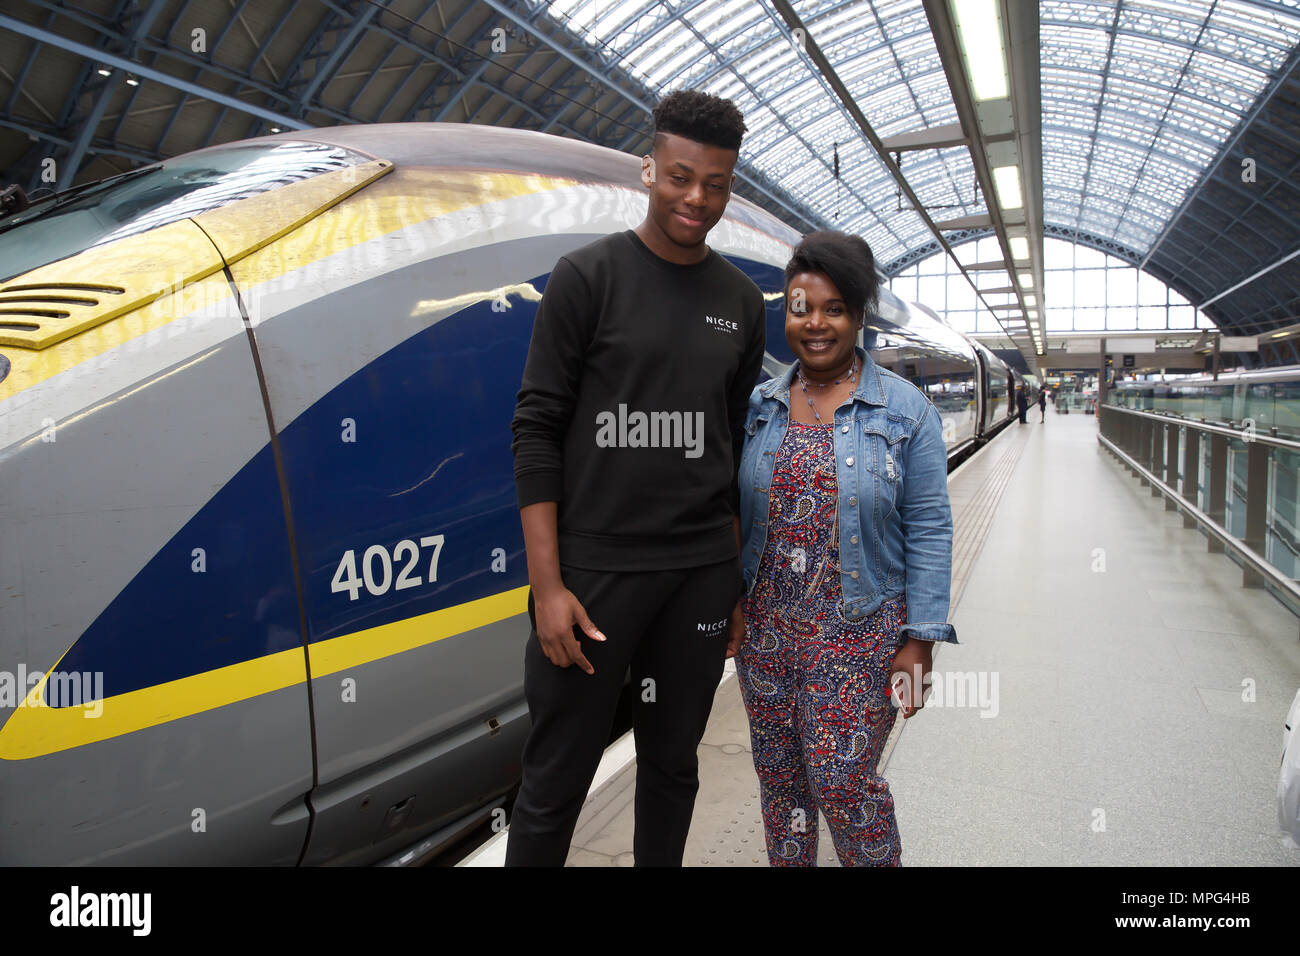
column 1170, row 95
column 606, row 23
column 1181, row 26
column 1099, row 14
column 578, row 15
column 851, row 24
column 718, row 15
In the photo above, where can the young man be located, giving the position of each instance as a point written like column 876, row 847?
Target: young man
column 627, row 434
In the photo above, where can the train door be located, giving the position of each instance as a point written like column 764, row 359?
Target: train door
column 391, row 375
column 982, row 394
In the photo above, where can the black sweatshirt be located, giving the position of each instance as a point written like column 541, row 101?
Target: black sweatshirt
column 632, row 409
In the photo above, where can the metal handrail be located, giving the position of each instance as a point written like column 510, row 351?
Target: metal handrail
column 1215, row 530
column 1247, row 553
column 1241, row 434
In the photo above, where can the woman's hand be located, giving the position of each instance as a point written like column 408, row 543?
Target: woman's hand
column 910, row 669
column 557, row 610
column 736, row 637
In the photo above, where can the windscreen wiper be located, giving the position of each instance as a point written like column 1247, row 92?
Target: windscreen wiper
column 43, row 207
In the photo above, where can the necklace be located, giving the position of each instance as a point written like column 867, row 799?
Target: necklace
column 853, row 373
column 853, row 370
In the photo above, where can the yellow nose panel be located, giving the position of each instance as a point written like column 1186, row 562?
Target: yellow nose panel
column 125, row 279
column 246, row 226
column 55, row 302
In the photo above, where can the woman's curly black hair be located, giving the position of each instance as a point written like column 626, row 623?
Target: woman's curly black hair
column 847, row 261
column 701, row 117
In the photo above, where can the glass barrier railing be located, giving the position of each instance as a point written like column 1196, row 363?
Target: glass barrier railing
column 1074, row 402
column 1243, row 482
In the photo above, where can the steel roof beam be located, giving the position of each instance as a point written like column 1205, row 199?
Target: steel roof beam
column 1142, row 81
column 846, row 65
column 1240, row 220
column 90, row 123
column 378, row 70
column 459, row 65
column 146, row 72
column 461, row 90
column 550, row 91
column 818, row 155
column 415, row 67
column 201, row 66
column 672, row 15
column 1251, row 278
column 342, row 46
column 307, row 51
column 51, row 135
column 1226, row 150
column 1164, row 40
column 21, row 82
column 225, row 30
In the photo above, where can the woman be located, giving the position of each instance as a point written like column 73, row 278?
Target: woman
column 847, row 537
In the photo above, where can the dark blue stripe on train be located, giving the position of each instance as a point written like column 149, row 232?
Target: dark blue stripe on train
column 770, row 279
column 172, row 621
column 431, row 456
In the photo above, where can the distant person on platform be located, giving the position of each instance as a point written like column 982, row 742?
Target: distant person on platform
column 628, row 427
column 1022, row 403
column 848, row 560
column 1042, row 406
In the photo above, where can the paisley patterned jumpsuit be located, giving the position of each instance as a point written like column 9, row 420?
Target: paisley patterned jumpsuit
column 815, row 684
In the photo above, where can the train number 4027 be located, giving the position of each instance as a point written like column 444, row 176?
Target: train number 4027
column 377, row 568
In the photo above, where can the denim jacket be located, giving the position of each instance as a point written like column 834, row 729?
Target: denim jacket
column 895, row 523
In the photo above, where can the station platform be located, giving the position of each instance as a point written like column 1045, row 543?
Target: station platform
column 1117, row 698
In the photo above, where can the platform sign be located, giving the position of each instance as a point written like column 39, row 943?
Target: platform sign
column 1239, row 343
column 1128, row 361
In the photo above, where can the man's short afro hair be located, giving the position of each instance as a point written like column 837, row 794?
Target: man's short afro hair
column 701, row 117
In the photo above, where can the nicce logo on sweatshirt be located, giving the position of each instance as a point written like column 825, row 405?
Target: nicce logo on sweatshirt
column 722, row 325
column 626, row 429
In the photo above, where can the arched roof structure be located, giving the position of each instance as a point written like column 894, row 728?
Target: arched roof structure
column 1170, row 130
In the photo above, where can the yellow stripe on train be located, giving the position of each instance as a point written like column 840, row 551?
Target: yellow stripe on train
column 36, row 729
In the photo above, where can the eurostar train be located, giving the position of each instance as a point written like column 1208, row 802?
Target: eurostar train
column 1270, row 398
column 262, row 579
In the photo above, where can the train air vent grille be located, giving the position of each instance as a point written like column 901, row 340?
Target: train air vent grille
column 29, row 313
column 57, row 301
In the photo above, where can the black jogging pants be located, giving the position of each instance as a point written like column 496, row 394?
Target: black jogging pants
column 671, row 629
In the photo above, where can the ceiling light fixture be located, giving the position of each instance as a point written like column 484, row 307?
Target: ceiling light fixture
column 979, row 30
column 1006, row 182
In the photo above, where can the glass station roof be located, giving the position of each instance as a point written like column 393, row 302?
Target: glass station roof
column 1138, row 98
column 743, row 50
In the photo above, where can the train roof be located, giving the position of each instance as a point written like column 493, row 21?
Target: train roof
column 1289, row 373
column 474, row 146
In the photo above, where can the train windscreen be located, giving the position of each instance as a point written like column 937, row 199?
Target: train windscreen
column 152, row 196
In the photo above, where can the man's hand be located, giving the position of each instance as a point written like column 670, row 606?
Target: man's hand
column 736, row 636
column 907, row 675
column 557, row 611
